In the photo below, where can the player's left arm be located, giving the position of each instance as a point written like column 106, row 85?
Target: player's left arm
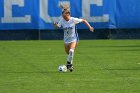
column 88, row 25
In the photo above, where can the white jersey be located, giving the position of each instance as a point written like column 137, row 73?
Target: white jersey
column 69, row 27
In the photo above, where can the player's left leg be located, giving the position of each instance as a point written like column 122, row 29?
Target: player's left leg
column 72, row 47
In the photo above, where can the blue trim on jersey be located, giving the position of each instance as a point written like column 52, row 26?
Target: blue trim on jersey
column 77, row 38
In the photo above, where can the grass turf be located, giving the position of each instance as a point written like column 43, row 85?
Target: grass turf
column 101, row 66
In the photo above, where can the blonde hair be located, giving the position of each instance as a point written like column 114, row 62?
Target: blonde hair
column 65, row 7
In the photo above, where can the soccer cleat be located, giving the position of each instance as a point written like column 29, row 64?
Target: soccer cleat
column 70, row 67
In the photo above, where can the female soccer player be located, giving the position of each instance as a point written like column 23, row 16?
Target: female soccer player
column 68, row 24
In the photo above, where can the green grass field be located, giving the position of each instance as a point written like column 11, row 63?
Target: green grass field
column 101, row 66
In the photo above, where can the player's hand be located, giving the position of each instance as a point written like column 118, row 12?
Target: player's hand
column 55, row 25
column 91, row 29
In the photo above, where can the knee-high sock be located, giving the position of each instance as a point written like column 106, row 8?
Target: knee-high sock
column 70, row 56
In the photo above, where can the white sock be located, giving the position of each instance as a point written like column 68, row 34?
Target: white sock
column 70, row 56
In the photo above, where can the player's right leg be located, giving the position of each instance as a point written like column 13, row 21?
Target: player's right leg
column 69, row 48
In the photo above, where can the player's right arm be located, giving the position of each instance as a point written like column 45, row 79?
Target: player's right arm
column 55, row 25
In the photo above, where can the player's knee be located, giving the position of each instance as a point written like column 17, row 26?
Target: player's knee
column 71, row 51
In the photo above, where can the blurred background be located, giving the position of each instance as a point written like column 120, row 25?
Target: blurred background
column 32, row 19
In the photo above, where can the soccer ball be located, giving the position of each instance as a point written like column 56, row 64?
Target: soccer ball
column 62, row 68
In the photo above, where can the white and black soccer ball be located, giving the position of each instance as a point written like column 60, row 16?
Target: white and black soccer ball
column 62, row 68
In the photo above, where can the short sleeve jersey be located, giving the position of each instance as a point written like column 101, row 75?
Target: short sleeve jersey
column 69, row 27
